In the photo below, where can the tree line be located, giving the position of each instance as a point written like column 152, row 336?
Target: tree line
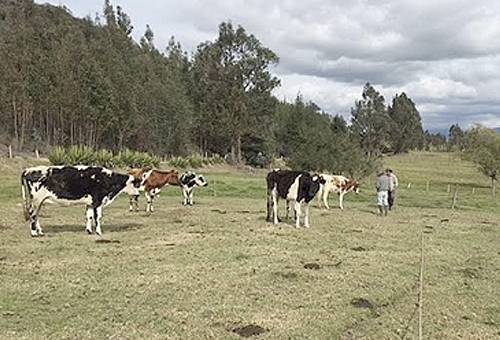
column 68, row 81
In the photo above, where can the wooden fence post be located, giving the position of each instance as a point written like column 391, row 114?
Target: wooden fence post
column 473, row 190
column 421, row 286
column 448, row 190
column 455, row 196
column 10, row 150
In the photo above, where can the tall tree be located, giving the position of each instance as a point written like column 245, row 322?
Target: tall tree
column 232, row 76
column 456, row 137
column 370, row 123
column 482, row 146
column 406, row 130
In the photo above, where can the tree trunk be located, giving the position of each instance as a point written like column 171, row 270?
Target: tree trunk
column 236, row 149
column 14, row 111
column 23, row 128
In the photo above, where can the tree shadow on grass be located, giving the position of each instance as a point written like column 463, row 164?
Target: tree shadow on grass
column 80, row 228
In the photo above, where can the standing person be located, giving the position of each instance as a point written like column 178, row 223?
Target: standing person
column 382, row 193
column 393, row 184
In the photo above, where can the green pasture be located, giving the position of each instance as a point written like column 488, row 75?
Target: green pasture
column 200, row 272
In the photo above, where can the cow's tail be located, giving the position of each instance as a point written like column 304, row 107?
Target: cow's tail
column 26, row 197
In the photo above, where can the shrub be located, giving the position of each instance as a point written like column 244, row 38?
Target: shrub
column 58, row 156
column 84, row 155
column 104, row 158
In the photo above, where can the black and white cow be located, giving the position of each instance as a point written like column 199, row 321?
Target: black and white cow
column 96, row 187
column 297, row 186
column 189, row 180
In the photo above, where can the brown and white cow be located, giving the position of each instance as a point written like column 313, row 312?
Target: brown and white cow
column 338, row 184
column 153, row 182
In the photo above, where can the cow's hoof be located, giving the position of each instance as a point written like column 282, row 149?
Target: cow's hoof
column 88, row 231
column 34, row 234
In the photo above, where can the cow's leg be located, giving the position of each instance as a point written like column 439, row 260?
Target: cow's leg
column 33, row 211
column 306, row 216
column 185, row 193
column 97, row 217
column 90, row 217
column 297, row 211
column 320, row 194
column 133, row 200
column 136, row 202
column 286, row 209
column 149, row 197
column 341, row 201
column 275, row 205
column 325, row 198
column 33, row 218
column 191, row 192
column 269, row 207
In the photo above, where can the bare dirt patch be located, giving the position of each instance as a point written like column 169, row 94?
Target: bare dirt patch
column 249, row 330
column 314, row 266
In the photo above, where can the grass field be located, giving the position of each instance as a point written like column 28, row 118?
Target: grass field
column 200, row 272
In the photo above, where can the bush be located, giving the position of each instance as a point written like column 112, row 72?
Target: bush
column 84, row 155
column 80, row 155
column 58, row 156
column 104, row 158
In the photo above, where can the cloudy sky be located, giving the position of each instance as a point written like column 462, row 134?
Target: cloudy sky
column 445, row 54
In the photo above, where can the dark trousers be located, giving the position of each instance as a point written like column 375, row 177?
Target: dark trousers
column 391, row 197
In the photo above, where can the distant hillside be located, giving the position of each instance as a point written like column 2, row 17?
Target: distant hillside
column 444, row 131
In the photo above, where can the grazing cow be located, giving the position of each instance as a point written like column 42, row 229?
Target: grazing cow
column 338, row 184
column 91, row 185
column 190, row 180
column 297, row 186
column 154, row 180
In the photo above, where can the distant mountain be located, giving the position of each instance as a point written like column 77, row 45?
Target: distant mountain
column 444, row 131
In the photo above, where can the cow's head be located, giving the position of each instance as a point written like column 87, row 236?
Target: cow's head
column 132, row 185
column 201, row 181
column 316, row 181
column 354, row 186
